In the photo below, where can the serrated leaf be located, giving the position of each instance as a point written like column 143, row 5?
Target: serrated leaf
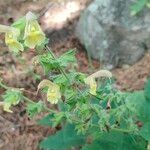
column 141, row 105
column 34, row 108
column 67, row 58
column 117, row 141
column 60, row 80
column 63, row 139
column 58, row 118
column 46, row 121
column 48, row 63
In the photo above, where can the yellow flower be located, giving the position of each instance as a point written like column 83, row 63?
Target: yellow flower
column 6, row 107
column 33, row 34
column 90, row 80
column 92, row 83
column 11, row 41
column 11, row 38
column 53, row 94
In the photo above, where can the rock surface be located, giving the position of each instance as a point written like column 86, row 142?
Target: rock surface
column 111, row 34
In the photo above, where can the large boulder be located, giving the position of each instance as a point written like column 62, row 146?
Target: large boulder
column 109, row 32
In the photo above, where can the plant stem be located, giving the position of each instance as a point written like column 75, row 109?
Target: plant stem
column 28, row 100
column 90, row 61
column 45, row 107
column 59, row 67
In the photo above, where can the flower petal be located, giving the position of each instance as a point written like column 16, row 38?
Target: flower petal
column 93, row 85
column 33, row 33
column 53, row 94
column 12, row 43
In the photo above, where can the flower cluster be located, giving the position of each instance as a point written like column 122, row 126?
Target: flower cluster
column 32, row 33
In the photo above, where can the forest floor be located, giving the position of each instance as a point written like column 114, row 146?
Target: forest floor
column 17, row 131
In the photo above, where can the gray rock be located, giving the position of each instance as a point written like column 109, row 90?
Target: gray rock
column 111, row 34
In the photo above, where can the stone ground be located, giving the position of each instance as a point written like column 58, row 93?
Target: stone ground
column 17, row 131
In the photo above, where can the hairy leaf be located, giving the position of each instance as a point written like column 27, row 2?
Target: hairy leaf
column 117, row 141
column 63, row 139
column 34, row 108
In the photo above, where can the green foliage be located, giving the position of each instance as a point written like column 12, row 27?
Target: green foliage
column 140, row 101
column 47, row 120
column 67, row 58
column 145, row 131
column 63, row 139
column 117, row 141
column 126, row 110
column 141, row 106
column 20, row 24
column 11, row 97
column 34, row 108
column 49, row 63
column 138, row 6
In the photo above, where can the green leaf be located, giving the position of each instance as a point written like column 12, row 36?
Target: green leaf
column 147, row 90
column 20, row 24
column 47, row 62
column 145, row 131
column 138, row 6
column 60, row 80
column 46, row 121
column 141, row 105
column 67, row 58
column 117, row 141
column 12, row 96
column 70, row 93
column 58, row 118
column 34, row 108
column 63, row 139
